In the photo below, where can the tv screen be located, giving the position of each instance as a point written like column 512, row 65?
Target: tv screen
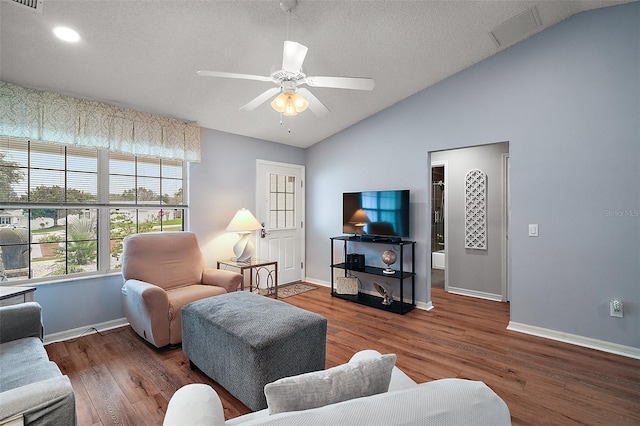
column 378, row 213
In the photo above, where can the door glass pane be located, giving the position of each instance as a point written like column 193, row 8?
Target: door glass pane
column 282, row 201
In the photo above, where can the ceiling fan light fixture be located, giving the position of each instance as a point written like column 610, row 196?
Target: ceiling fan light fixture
column 299, row 102
column 289, row 103
column 280, row 102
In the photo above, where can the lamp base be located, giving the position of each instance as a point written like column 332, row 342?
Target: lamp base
column 243, row 249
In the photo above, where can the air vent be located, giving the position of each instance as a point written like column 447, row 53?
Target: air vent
column 35, row 5
column 517, row 28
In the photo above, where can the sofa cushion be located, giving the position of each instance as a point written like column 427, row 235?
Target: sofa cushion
column 310, row 390
column 456, row 402
column 25, row 361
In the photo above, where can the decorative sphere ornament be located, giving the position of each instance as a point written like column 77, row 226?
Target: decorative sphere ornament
column 389, row 258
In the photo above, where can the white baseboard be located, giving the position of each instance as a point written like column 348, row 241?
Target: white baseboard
column 574, row 339
column 474, row 293
column 83, row 331
column 317, row 282
column 424, row 306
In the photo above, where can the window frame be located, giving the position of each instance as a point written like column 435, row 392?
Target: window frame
column 103, row 207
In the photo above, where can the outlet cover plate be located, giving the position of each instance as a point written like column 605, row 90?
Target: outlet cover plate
column 616, row 309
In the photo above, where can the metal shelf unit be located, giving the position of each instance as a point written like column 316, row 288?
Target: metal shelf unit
column 398, row 306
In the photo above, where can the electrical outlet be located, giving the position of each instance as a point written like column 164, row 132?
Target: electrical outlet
column 616, row 308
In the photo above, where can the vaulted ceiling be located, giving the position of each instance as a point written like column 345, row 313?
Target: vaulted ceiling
column 145, row 54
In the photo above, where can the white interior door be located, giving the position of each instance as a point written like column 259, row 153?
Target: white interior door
column 280, row 208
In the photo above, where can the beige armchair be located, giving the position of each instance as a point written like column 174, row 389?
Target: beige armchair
column 162, row 272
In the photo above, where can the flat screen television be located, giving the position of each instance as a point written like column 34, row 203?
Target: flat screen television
column 371, row 214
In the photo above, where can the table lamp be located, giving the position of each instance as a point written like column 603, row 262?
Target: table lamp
column 359, row 220
column 244, row 223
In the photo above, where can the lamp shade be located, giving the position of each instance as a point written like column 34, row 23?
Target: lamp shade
column 289, row 103
column 360, row 218
column 243, row 222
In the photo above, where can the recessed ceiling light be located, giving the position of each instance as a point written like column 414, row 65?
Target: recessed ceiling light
column 66, row 34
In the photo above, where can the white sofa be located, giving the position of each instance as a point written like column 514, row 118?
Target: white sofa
column 441, row 402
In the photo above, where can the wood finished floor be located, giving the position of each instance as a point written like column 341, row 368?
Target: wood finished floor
column 120, row 380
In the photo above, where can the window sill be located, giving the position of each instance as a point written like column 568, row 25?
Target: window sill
column 60, row 279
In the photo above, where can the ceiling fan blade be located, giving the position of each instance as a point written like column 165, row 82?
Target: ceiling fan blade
column 233, row 75
column 315, row 105
column 293, row 56
column 262, row 98
column 356, row 83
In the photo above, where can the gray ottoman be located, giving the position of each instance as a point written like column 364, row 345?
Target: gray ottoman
column 244, row 341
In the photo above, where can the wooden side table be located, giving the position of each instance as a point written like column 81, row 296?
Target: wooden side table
column 16, row 295
column 255, row 266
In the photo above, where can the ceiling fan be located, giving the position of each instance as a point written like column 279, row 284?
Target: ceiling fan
column 292, row 98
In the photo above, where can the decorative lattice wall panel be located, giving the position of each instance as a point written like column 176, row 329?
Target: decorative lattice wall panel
column 475, row 210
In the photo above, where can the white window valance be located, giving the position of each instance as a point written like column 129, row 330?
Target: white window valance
column 50, row 117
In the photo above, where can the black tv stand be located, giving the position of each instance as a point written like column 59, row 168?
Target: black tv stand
column 399, row 306
column 380, row 239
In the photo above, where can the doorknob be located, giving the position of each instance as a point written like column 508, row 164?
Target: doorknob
column 263, row 233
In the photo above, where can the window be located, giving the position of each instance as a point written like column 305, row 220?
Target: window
column 65, row 210
column 282, row 201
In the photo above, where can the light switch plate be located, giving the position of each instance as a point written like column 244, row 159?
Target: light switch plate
column 533, row 229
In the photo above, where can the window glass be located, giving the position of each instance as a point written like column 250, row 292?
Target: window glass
column 50, row 208
column 282, row 201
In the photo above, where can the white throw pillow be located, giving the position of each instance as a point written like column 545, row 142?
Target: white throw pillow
column 194, row 404
column 356, row 379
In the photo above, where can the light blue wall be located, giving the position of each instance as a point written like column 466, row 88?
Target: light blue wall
column 568, row 102
column 79, row 303
column 224, row 182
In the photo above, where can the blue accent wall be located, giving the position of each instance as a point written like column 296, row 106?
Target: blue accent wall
column 568, row 102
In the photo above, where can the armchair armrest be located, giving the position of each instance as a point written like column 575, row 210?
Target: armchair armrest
column 151, row 294
column 20, row 321
column 228, row 280
column 147, row 309
column 194, row 404
column 45, row 402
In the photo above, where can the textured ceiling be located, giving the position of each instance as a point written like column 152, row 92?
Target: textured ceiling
column 145, row 54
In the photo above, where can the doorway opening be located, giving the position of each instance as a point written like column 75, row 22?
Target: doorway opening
column 463, row 209
column 438, row 252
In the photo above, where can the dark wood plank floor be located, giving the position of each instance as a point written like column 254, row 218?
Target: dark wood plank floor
column 120, row 380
